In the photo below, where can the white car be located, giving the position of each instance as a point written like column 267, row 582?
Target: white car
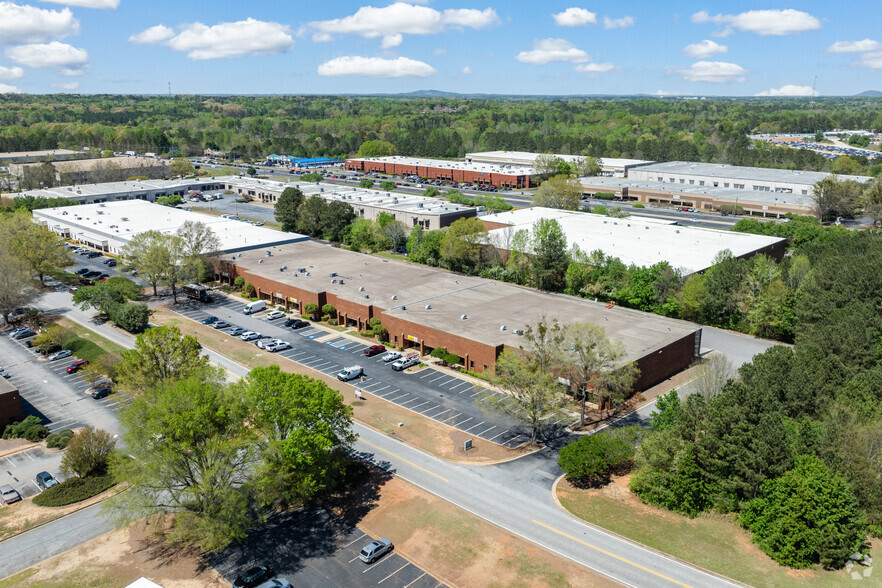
column 264, row 343
column 350, row 373
column 249, row 336
column 391, row 356
column 60, row 354
column 278, row 346
column 276, row 314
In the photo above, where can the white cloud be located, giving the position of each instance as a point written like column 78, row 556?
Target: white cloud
column 7, row 89
column 595, row 68
column 66, row 85
column 618, row 23
column 227, row 39
column 466, row 71
column 704, row 49
column 402, row 18
column 666, row 93
column 322, row 38
column 11, row 73
column 390, row 41
column 69, row 60
column 439, row 51
column 854, row 46
column 376, row 67
column 762, row 22
column 152, row 35
column 789, row 90
column 871, row 60
column 574, row 17
column 102, row 4
column 29, row 24
column 713, row 71
column 549, row 50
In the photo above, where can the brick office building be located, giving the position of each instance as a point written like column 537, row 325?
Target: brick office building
column 507, row 176
column 10, row 403
column 425, row 308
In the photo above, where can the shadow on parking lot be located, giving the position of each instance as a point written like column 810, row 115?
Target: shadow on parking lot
column 29, row 409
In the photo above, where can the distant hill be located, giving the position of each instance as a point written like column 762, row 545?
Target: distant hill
column 870, row 94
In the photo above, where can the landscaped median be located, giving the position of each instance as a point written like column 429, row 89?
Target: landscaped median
column 711, row 541
column 426, row 434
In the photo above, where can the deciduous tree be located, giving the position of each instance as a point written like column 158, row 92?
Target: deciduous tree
column 562, row 191
column 287, row 208
column 88, row 453
column 161, row 355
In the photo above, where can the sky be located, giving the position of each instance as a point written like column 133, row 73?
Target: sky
column 720, row 48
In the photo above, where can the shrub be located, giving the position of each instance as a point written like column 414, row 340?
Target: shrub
column 439, row 352
column 248, row 289
column 59, row 440
column 452, row 359
column 35, row 433
column 326, row 318
column 638, row 205
column 329, row 310
column 17, row 430
column 73, row 490
column 605, row 196
column 239, row 282
column 591, row 460
column 311, row 309
column 131, row 316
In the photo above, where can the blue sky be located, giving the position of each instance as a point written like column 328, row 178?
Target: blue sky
column 512, row 47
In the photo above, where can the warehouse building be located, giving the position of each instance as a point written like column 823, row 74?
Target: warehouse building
column 424, row 308
column 504, row 176
column 146, row 190
column 640, row 241
column 110, row 226
column 760, row 203
column 411, row 210
column 748, row 179
column 35, row 156
column 609, row 166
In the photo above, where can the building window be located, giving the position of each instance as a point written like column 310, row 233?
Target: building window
column 726, row 184
column 682, row 180
column 739, row 186
column 701, row 183
column 805, row 192
column 691, row 181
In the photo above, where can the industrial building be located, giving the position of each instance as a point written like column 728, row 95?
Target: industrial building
column 707, row 198
column 110, row 226
column 425, row 308
column 10, row 403
column 34, row 156
column 504, row 176
column 609, row 166
column 302, row 162
column 749, row 179
column 147, row 190
column 640, row 241
column 413, row 211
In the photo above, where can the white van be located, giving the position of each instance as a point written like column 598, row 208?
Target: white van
column 255, row 306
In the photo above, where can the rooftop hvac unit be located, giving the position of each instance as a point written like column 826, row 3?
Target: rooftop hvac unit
column 334, row 281
column 647, row 228
column 518, row 332
column 269, row 253
column 428, row 307
column 394, row 297
column 125, row 218
column 332, row 275
column 283, row 268
column 463, row 317
column 101, row 205
column 302, row 270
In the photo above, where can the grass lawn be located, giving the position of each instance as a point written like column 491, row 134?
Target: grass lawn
column 712, row 541
column 390, row 255
column 87, row 344
column 63, row 276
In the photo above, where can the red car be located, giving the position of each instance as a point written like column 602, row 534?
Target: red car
column 77, row 366
column 374, row 350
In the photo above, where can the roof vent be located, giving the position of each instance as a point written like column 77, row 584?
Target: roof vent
column 394, row 297
column 259, row 261
column 463, row 317
column 428, row 307
column 269, row 253
column 283, row 268
column 646, row 227
column 518, row 331
column 502, row 327
column 307, row 274
column 367, row 295
column 361, row 288
column 334, row 281
column 302, row 270
column 403, row 308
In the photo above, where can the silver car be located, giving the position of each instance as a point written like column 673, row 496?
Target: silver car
column 9, row 494
column 249, row 336
column 375, row 550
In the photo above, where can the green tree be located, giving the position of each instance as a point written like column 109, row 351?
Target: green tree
column 88, row 453
column 833, row 197
column 191, row 455
column 311, row 213
column 590, row 460
column 376, row 148
column 336, row 217
column 40, row 248
column 872, row 200
column 15, row 283
column 431, row 191
column 550, row 259
column 312, row 178
column 667, row 406
column 251, row 171
column 107, row 295
column 147, row 253
column 172, row 200
column 131, row 316
column 199, row 241
column 365, row 183
column 161, row 355
column 690, row 297
column 287, row 208
column 387, row 185
column 307, row 428
column 561, row 191
column 462, row 244
column 806, row 516
column 311, row 309
column 587, row 166
column 181, row 166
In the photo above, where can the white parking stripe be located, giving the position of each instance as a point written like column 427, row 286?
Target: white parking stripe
column 393, row 573
column 453, row 417
column 420, row 576
column 440, row 413
column 354, row 540
column 500, row 434
column 486, row 430
column 474, row 426
column 419, row 405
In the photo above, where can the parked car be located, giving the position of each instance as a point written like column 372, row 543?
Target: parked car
column 252, row 577
column 47, row 350
column 93, row 254
column 26, row 332
column 276, row 314
column 60, row 354
column 4, row 374
column 82, row 270
column 266, row 341
column 101, row 392
column 374, row 350
column 391, row 356
column 298, row 324
column 278, row 346
column 221, row 324
column 72, row 290
column 111, row 262
column 209, row 320
column 45, row 480
column 249, row 336
column 406, row 362
column 9, row 494
column 77, row 366
column 375, row 550
column 350, row 373
column 102, row 277
column 236, row 331
column 92, row 274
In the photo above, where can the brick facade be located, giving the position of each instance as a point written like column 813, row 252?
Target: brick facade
column 441, row 173
column 10, row 407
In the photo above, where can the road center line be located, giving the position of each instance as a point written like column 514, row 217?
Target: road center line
column 408, row 462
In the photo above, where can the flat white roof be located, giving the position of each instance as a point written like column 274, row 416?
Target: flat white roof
column 756, row 174
column 120, row 221
column 448, row 164
column 527, row 158
column 120, row 188
column 634, row 240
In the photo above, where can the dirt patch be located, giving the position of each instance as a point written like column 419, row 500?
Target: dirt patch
column 462, row 549
column 421, row 432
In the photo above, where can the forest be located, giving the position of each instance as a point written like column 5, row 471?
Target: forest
column 712, row 130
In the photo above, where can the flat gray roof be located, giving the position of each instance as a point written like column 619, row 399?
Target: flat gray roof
column 756, row 174
column 487, row 304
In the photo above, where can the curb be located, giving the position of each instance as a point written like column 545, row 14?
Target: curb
column 565, row 511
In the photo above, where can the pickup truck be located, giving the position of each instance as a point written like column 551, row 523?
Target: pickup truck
column 405, row 362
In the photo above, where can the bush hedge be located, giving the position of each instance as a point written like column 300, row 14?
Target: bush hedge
column 605, row 196
column 59, row 440
column 73, row 490
column 31, row 429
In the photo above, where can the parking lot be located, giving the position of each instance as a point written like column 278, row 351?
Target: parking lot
column 49, row 392
column 19, row 469
column 313, row 548
column 435, row 394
